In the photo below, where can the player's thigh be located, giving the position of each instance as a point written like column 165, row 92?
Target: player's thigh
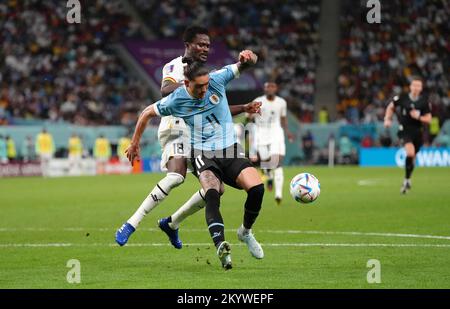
column 177, row 165
column 248, row 178
column 209, row 180
column 173, row 158
column 410, row 149
column 208, row 172
column 264, row 152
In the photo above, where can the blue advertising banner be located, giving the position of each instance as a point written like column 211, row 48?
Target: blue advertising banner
column 151, row 165
column 431, row 157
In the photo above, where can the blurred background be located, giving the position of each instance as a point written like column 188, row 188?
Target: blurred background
column 70, row 94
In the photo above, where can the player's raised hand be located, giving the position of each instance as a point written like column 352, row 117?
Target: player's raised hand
column 415, row 114
column 253, row 107
column 247, row 56
column 133, row 153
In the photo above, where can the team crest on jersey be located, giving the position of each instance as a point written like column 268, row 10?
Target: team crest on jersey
column 214, row 99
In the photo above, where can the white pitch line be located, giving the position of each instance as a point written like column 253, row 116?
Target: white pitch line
column 82, row 229
column 58, row 245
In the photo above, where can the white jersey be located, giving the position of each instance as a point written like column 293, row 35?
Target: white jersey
column 268, row 124
column 172, row 127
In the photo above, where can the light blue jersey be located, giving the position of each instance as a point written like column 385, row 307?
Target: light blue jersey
column 209, row 119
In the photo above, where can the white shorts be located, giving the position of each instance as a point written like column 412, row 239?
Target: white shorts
column 173, row 136
column 277, row 147
column 176, row 147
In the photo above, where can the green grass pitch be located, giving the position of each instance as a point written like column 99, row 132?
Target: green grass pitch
column 359, row 216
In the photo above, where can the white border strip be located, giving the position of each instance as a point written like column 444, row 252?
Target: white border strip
column 87, row 229
column 364, row 245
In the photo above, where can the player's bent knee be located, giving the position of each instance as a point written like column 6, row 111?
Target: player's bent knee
column 221, row 189
column 174, row 179
column 255, row 194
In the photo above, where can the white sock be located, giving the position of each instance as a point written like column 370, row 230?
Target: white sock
column 279, row 179
column 156, row 196
column 194, row 204
column 244, row 230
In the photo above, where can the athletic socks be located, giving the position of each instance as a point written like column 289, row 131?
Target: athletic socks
column 253, row 205
column 194, row 204
column 156, row 196
column 409, row 167
column 213, row 217
column 279, row 179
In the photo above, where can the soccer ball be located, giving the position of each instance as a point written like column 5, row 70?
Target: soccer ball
column 305, row 188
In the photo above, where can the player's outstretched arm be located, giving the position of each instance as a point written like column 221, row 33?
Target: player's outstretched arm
column 133, row 151
column 388, row 115
column 284, row 124
column 247, row 58
column 250, row 108
column 168, row 87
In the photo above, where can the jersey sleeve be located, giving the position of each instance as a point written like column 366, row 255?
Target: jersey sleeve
column 427, row 107
column 170, row 73
column 396, row 100
column 164, row 107
column 283, row 112
column 225, row 75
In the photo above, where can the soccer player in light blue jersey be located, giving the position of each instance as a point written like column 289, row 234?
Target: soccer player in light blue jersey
column 216, row 157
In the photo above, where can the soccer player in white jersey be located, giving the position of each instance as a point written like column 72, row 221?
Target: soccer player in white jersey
column 269, row 141
column 172, row 135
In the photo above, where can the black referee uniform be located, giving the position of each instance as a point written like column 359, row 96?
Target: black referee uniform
column 410, row 129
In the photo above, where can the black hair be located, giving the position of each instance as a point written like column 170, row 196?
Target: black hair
column 195, row 69
column 416, row 77
column 191, row 31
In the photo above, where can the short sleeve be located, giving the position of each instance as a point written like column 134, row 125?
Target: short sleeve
column 283, row 108
column 395, row 100
column 427, row 107
column 226, row 74
column 164, row 106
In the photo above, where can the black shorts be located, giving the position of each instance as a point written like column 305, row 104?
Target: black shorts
column 226, row 164
column 413, row 136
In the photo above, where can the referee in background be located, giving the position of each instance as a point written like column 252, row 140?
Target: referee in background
column 413, row 110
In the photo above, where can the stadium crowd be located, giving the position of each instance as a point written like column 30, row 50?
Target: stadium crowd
column 283, row 34
column 52, row 70
column 376, row 60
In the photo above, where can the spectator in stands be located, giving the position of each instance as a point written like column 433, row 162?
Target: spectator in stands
column 308, row 147
column 284, row 34
column 443, row 140
column 45, row 149
column 55, row 71
column 375, row 60
column 28, row 149
column 11, row 149
column 367, row 142
column 3, row 150
column 102, row 153
column 345, row 149
column 75, row 148
column 434, row 127
column 323, row 115
column 385, row 139
column 123, row 144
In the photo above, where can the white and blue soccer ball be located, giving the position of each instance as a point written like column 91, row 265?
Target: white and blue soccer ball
column 305, row 188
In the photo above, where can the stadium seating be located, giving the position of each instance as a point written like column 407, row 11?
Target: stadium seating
column 377, row 59
column 57, row 71
column 283, row 34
